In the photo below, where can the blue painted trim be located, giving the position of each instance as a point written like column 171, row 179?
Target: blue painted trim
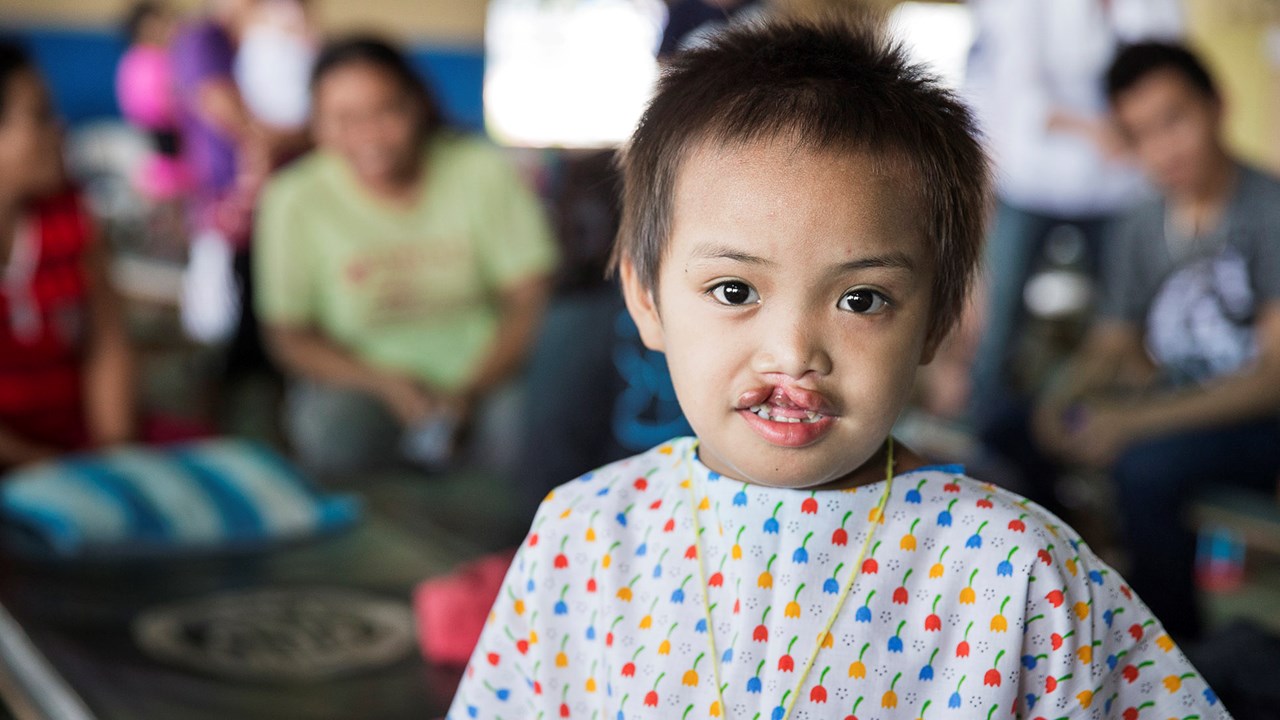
column 80, row 66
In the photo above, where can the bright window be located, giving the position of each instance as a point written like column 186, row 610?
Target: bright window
column 569, row 73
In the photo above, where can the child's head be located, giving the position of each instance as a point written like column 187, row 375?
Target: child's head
column 30, row 141
column 149, row 22
column 802, row 216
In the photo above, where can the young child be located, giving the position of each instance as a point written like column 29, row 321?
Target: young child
column 66, row 369
column 802, row 214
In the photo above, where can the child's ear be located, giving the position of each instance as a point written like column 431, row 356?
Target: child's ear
column 642, row 306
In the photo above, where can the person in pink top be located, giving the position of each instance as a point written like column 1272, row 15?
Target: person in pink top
column 145, row 91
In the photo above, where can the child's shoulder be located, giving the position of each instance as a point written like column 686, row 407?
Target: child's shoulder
column 947, row 501
column 644, row 477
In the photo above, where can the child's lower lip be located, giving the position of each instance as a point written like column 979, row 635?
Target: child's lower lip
column 785, row 434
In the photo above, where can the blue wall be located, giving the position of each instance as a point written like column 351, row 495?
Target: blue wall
column 80, row 67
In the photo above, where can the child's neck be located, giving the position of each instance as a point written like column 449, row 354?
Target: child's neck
column 874, row 470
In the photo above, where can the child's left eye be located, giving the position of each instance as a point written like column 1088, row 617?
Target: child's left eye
column 735, row 292
column 863, row 302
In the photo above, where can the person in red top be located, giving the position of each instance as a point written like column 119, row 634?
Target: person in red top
column 65, row 364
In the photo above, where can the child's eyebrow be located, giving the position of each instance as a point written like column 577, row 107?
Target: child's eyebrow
column 890, row 260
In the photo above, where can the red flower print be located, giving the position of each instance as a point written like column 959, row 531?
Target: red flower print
column 840, row 537
column 1136, row 631
column 1130, row 673
column 629, row 670
column 640, row 484
column 870, row 566
column 537, row 688
column 900, row 595
column 670, row 525
column 1050, row 684
column 1131, row 713
column 819, row 693
column 655, row 504
column 591, row 585
column 564, row 710
column 933, row 623
column 809, row 506
column 992, row 678
column 985, row 503
column 761, row 634
column 1044, row 556
column 786, row 663
column 951, row 487
column 962, row 650
column 716, row 580
column 1017, row 525
column 494, row 658
column 691, row 552
column 562, row 560
column 1055, row 598
column 533, row 539
column 522, row 646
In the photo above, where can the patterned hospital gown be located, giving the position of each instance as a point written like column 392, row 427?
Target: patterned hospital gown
column 971, row 603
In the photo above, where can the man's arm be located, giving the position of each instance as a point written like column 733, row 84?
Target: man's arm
column 1112, row 356
column 109, row 377
column 303, row 351
column 1252, row 393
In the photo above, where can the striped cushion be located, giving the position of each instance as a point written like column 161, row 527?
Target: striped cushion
column 210, row 495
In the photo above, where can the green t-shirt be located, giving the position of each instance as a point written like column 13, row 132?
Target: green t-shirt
column 410, row 288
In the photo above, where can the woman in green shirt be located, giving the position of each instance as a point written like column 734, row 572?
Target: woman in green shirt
column 403, row 268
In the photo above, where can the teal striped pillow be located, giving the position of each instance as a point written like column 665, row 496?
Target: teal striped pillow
column 209, row 495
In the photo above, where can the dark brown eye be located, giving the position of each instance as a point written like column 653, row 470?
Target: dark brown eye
column 863, row 302
column 735, row 292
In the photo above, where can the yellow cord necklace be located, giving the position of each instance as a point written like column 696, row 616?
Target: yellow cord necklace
column 877, row 519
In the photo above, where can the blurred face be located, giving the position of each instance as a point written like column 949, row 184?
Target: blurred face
column 365, row 116
column 793, row 305
column 1174, row 129
column 30, row 146
column 157, row 29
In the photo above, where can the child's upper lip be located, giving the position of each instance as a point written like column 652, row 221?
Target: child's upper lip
column 787, row 396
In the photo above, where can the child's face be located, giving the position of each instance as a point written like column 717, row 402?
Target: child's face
column 795, row 284
column 30, row 143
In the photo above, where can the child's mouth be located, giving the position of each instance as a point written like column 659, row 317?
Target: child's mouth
column 787, row 416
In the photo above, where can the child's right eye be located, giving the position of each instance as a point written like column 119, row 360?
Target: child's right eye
column 735, row 292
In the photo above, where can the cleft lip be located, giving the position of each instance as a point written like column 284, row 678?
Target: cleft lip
column 786, row 397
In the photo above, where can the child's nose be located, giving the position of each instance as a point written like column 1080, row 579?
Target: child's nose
column 792, row 349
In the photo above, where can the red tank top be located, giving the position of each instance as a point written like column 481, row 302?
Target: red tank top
column 43, row 323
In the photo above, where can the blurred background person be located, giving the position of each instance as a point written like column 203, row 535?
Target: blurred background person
column 1177, row 387
column 230, row 154
column 403, row 270
column 66, row 370
column 1034, row 79
column 146, row 94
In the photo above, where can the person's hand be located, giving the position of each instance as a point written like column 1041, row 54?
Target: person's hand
column 409, row 400
column 1100, row 432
